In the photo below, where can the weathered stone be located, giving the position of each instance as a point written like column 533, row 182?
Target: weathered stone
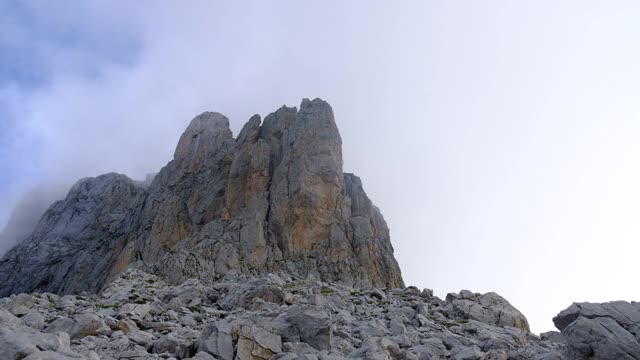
column 34, row 319
column 142, row 338
column 317, row 300
column 18, row 342
column 50, row 355
column 202, row 356
column 601, row 331
column 216, row 339
column 553, row 336
column 312, row 325
column 396, row 327
column 257, row 343
column 137, row 311
column 488, row 308
column 79, row 326
column 466, row 353
column 8, row 319
column 174, row 344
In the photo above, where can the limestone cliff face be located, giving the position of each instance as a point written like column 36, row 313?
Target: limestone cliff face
column 275, row 199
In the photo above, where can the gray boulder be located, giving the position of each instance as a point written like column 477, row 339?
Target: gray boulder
column 489, row 308
column 19, row 342
column 311, row 325
column 217, row 339
column 601, row 331
column 257, row 343
column 34, row 319
column 79, row 326
column 174, row 344
column 8, row 319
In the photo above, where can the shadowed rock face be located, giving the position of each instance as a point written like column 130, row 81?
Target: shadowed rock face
column 273, row 199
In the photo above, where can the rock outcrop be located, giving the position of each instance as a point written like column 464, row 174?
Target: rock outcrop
column 601, row 331
column 274, row 199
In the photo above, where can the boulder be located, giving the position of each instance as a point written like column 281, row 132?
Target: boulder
column 34, row 319
column 79, row 326
column 175, row 345
column 257, row 343
column 8, row 319
column 217, row 340
column 311, row 325
column 489, row 308
column 18, row 342
column 601, row 331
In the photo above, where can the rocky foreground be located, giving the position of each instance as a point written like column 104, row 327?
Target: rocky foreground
column 139, row 316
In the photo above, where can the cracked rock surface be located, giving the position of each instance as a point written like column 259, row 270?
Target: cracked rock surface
column 601, row 331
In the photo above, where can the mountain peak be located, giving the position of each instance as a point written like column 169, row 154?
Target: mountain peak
column 273, row 200
column 204, row 135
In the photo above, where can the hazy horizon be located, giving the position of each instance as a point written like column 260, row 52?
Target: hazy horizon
column 499, row 139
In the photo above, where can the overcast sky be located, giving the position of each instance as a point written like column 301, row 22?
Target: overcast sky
column 499, row 138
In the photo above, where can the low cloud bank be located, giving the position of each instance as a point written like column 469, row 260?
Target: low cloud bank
column 27, row 213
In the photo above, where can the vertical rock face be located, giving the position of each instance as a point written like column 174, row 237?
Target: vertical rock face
column 275, row 199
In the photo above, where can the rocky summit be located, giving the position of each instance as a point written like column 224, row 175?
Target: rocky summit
column 256, row 247
column 273, row 199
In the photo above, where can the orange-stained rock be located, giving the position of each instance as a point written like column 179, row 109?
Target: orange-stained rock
column 273, row 200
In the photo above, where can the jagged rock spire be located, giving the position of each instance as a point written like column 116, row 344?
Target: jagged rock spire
column 273, row 200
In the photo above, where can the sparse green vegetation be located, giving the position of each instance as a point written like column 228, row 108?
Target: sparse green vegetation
column 326, row 291
column 138, row 300
column 292, row 284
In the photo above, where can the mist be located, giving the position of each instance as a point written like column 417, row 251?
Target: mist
column 27, row 212
column 499, row 139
